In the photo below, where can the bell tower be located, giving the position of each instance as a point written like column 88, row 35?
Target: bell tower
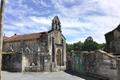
column 56, row 25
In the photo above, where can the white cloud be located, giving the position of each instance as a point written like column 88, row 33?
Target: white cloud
column 41, row 20
column 111, row 7
column 40, row 2
column 9, row 33
column 77, row 9
column 107, row 19
column 79, row 18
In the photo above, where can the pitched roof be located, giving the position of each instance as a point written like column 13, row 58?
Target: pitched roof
column 111, row 32
column 25, row 37
column 5, row 37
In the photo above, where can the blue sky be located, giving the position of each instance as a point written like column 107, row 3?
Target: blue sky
column 79, row 18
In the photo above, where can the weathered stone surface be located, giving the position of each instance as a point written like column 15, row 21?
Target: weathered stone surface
column 113, row 41
column 46, row 50
column 95, row 62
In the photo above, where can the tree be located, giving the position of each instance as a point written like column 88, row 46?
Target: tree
column 69, row 47
column 102, row 46
column 77, row 46
column 90, row 45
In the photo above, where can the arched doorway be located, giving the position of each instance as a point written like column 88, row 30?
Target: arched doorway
column 58, row 56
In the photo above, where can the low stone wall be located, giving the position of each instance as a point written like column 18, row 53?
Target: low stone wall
column 108, row 65
column 33, row 69
column 12, row 62
column 95, row 62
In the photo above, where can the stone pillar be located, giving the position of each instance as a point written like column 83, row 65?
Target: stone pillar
column 65, row 60
column 23, row 63
column 1, row 31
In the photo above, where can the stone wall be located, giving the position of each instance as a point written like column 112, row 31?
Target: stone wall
column 113, row 42
column 108, row 66
column 12, row 62
column 30, row 50
column 118, row 69
column 115, row 47
column 96, row 63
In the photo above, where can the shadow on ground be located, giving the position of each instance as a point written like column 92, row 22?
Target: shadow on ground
column 86, row 76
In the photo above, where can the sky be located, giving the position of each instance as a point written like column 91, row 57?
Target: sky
column 79, row 18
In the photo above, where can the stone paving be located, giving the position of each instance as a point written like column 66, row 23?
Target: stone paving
column 39, row 76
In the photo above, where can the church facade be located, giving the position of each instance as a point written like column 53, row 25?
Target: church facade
column 44, row 51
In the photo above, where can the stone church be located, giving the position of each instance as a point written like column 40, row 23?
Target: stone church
column 113, row 41
column 43, row 51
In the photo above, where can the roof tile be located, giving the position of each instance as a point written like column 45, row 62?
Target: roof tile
column 25, row 37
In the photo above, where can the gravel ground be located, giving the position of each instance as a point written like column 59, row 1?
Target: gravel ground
column 39, row 76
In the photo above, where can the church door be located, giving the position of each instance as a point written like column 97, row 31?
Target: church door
column 58, row 56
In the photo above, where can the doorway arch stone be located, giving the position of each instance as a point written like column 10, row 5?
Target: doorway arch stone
column 58, row 56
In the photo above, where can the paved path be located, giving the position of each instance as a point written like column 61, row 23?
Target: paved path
column 39, row 76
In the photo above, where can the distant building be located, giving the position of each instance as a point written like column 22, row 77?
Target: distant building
column 43, row 51
column 113, row 41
